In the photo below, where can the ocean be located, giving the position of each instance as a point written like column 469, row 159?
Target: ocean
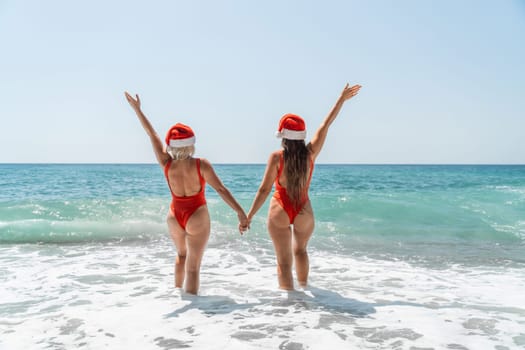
column 402, row 257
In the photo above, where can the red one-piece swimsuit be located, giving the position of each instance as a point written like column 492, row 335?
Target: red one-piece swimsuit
column 282, row 197
column 183, row 207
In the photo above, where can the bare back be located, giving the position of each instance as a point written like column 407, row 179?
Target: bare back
column 183, row 177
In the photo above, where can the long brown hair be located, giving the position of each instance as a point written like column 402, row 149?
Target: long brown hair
column 296, row 169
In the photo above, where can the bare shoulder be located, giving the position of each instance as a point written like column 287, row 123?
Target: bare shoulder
column 273, row 162
column 275, row 157
column 205, row 162
column 205, row 165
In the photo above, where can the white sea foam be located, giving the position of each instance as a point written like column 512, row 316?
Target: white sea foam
column 121, row 296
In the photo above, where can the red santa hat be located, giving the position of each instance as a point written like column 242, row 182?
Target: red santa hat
column 291, row 127
column 180, row 135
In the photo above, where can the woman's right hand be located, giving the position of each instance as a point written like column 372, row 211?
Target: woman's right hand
column 134, row 103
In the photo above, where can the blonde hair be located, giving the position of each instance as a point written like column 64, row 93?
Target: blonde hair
column 180, row 153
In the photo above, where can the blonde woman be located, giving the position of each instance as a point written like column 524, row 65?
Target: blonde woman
column 188, row 218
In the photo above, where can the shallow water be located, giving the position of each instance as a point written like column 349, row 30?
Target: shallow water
column 120, row 295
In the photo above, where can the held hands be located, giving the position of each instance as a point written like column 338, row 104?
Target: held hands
column 244, row 223
column 134, row 103
column 349, row 92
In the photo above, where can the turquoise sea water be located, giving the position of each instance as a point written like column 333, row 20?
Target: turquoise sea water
column 475, row 212
column 402, row 257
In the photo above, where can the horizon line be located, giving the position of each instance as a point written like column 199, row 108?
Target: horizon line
column 228, row 163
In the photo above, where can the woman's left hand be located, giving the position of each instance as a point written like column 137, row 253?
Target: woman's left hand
column 349, row 92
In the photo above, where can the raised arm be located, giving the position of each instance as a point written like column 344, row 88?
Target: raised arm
column 266, row 184
column 211, row 177
column 156, row 142
column 317, row 142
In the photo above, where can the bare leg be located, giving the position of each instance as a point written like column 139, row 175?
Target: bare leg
column 281, row 234
column 198, row 228
column 178, row 235
column 303, row 229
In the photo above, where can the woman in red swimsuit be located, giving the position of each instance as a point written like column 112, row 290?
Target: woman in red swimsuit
column 291, row 170
column 188, row 218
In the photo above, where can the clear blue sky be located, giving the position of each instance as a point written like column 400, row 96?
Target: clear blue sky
column 443, row 81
